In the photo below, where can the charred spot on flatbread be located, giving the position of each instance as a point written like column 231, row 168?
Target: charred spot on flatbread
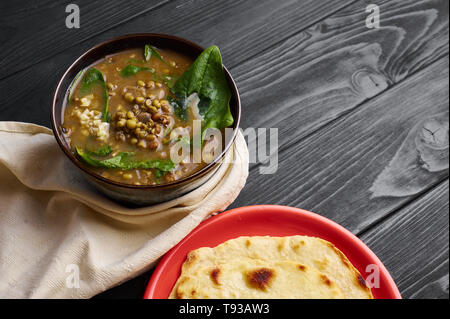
column 321, row 264
column 191, row 258
column 179, row 295
column 240, row 261
column 215, row 275
column 325, row 280
column 298, row 244
column 361, row 281
column 340, row 254
column 260, row 278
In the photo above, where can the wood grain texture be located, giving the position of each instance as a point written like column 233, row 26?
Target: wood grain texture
column 331, row 68
column 241, row 29
column 414, row 245
column 362, row 113
column 22, row 48
column 333, row 171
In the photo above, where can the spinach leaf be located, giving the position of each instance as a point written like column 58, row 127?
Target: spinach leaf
column 167, row 131
column 113, row 162
column 72, row 86
column 179, row 106
column 206, row 78
column 131, row 69
column 169, row 80
column 103, row 151
column 91, row 78
column 150, row 51
column 159, row 173
column 162, row 165
column 123, row 161
column 184, row 141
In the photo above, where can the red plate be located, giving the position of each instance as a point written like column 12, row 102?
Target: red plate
column 268, row 220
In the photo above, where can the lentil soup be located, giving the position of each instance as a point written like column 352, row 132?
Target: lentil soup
column 125, row 112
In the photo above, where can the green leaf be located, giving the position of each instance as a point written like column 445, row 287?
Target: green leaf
column 159, row 173
column 162, row 165
column 206, row 77
column 124, row 162
column 185, row 141
column 179, row 107
column 150, row 51
column 103, row 151
column 169, row 80
column 72, row 86
column 131, row 69
column 113, row 162
column 167, row 130
column 91, row 78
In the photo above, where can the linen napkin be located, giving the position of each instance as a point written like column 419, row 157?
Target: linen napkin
column 61, row 238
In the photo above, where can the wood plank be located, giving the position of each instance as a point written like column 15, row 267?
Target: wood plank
column 241, row 29
column 367, row 164
column 47, row 21
column 233, row 21
column 337, row 64
column 414, row 245
column 418, row 234
column 298, row 62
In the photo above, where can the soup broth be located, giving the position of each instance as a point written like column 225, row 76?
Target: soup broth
column 139, row 118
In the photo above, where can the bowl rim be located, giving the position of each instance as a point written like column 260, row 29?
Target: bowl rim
column 86, row 170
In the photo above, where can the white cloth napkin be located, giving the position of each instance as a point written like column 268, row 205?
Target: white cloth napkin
column 55, row 226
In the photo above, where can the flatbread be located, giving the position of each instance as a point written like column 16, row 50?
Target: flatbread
column 256, row 279
column 310, row 251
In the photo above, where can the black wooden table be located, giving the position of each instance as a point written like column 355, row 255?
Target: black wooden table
column 362, row 113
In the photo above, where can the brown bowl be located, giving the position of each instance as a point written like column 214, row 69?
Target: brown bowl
column 138, row 195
